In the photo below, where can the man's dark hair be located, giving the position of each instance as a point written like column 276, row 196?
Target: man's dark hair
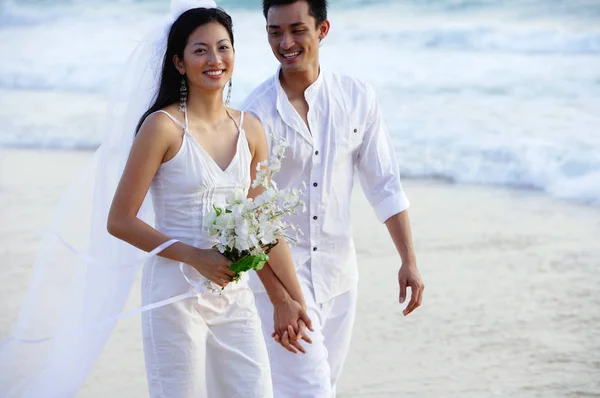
column 316, row 8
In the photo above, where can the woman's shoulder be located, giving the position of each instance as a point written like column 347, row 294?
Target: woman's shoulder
column 162, row 129
column 253, row 129
column 167, row 121
column 250, row 124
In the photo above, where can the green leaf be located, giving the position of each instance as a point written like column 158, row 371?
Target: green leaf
column 247, row 263
column 217, row 210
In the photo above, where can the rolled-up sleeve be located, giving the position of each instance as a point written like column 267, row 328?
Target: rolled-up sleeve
column 378, row 167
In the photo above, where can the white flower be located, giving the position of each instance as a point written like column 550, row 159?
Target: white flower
column 269, row 232
column 263, row 217
column 254, row 242
column 225, row 221
column 275, row 165
column 278, row 148
column 267, row 197
column 262, row 171
column 241, row 239
column 244, row 226
column 209, row 219
column 238, row 210
column 238, row 196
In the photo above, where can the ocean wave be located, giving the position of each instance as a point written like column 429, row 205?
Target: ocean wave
column 63, row 79
column 509, row 117
column 11, row 17
column 568, row 173
column 571, row 173
column 14, row 15
column 489, row 39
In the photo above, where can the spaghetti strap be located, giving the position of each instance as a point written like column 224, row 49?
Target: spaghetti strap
column 241, row 120
column 172, row 118
column 238, row 125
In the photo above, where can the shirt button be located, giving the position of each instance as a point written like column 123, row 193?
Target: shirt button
column 356, row 130
column 316, row 152
column 315, row 184
column 315, row 217
column 314, row 249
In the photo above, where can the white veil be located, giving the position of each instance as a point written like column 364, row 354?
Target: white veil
column 82, row 276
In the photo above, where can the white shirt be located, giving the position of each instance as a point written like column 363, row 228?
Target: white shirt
column 347, row 134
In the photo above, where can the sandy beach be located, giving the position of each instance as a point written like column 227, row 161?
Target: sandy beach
column 511, row 306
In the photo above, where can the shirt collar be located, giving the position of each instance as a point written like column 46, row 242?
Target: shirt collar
column 286, row 110
column 314, row 88
column 310, row 92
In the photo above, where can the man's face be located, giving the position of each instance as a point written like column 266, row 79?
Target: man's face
column 294, row 37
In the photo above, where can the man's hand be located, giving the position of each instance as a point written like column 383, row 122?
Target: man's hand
column 409, row 276
column 289, row 339
column 287, row 313
column 290, row 324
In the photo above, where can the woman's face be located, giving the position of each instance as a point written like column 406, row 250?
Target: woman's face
column 208, row 57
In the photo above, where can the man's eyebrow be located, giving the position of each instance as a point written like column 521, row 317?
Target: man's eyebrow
column 295, row 24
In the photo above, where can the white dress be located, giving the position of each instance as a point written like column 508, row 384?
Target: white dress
column 210, row 345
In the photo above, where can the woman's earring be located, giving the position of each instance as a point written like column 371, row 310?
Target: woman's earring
column 182, row 96
column 228, row 99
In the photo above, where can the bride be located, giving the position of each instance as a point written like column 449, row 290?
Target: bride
column 188, row 153
column 192, row 156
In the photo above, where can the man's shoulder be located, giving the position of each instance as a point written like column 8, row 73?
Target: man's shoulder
column 349, row 84
column 262, row 96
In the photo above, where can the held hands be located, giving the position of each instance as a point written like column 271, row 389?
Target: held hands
column 290, row 318
column 290, row 323
column 213, row 266
column 409, row 276
column 289, row 338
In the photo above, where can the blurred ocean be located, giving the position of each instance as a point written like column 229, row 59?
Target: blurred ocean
column 474, row 91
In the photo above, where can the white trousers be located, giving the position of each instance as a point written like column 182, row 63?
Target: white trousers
column 316, row 373
column 207, row 346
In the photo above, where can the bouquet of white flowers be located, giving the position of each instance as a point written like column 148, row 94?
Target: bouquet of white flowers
column 244, row 230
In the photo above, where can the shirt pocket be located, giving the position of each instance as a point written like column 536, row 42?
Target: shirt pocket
column 349, row 138
column 354, row 129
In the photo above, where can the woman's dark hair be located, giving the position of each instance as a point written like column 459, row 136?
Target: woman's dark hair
column 182, row 28
column 316, row 8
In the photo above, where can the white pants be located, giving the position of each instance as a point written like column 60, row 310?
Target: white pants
column 207, row 346
column 316, row 373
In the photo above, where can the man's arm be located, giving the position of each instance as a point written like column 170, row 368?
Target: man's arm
column 378, row 170
column 399, row 228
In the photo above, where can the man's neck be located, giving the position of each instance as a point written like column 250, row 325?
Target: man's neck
column 295, row 83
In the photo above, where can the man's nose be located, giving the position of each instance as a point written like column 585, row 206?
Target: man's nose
column 287, row 41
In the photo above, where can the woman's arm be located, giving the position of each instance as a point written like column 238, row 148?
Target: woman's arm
column 157, row 141
column 279, row 274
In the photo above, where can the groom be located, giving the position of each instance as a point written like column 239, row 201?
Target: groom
column 334, row 127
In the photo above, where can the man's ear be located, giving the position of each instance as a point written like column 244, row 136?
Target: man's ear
column 323, row 29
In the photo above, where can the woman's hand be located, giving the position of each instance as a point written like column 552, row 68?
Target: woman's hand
column 213, row 266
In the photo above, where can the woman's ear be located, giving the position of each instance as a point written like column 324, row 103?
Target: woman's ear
column 178, row 62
